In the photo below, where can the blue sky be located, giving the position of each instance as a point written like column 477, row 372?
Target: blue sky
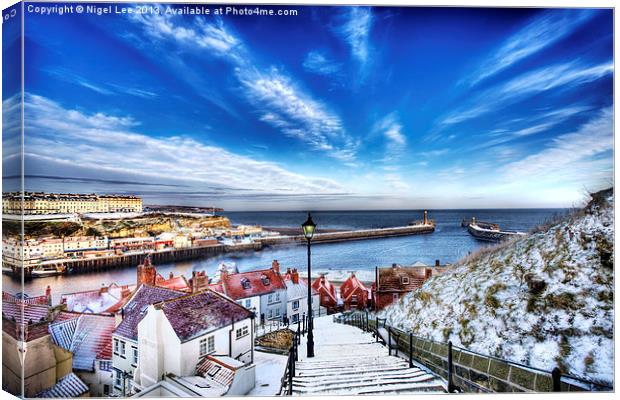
column 336, row 108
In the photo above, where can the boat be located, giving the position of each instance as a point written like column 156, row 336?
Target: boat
column 43, row 271
column 489, row 232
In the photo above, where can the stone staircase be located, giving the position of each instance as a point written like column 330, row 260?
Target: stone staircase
column 349, row 361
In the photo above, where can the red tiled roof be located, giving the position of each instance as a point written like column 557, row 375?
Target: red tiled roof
column 324, row 286
column 135, row 309
column 195, row 314
column 350, row 286
column 174, row 283
column 234, row 289
column 391, row 278
column 21, row 313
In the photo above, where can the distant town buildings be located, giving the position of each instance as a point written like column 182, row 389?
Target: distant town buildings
column 65, row 203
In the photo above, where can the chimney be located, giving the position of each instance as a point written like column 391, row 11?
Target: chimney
column 295, row 276
column 394, row 265
column 171, row 275
column 427, row 273
column 125, row 292
column 437, row 263
column 425, row 217
column 48, row 294
column 275, row 265
column 104, row 289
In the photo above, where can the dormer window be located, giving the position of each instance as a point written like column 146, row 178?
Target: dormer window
column 265, row 280
column 404, row 280
column 245, row 282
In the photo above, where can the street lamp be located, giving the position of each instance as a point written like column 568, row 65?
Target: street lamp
column 309, row 226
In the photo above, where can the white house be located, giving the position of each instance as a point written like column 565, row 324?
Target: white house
column 125, row 336
column 176, row 335
column 297, row 297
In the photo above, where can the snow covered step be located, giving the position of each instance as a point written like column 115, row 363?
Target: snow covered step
column 319, row 374
column 372, row 362
column 400, row 375
column 421, row 384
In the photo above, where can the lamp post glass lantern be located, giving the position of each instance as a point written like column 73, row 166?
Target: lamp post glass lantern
column 309, row 227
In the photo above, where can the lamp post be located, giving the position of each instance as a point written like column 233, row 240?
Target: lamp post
column 309, row 226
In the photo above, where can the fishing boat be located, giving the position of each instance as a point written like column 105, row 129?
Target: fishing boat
column 489, row 232
column 45, row 270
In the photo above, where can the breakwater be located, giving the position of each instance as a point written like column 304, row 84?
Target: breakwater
column 344, row 236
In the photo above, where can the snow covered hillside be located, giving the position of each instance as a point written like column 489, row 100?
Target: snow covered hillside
column 545, row 300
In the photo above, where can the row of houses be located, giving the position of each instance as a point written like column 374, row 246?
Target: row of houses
column 391, row 284
column 162, row 336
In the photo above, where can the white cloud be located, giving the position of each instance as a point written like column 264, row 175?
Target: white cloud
column 316, row 62
column 278, row 99
column 540, row 33
column 559, row 76
column 110, row 143
column 570, row 157
column 356, row 31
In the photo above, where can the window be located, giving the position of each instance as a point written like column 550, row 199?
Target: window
column 404, row 280
column 135, row 354
column 207, row 345
column 245, row 282
column 295, row 318
column 117, row 379
column 248, row 303
column 105, row 365
column 241, row 332
column 106, row 389
column 296, row 305
column 270, row 314
column 277, row 296
column 354, row 299
column 115, row 346
column 270, row 298
column 122, row 348
column 277, row 312
column 265, row 280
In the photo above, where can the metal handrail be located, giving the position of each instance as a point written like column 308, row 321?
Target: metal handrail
column 553, row 373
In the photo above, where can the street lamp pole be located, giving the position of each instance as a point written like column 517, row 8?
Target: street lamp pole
column 308, row 228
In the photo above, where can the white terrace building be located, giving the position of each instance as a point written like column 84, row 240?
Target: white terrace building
column 177, row 335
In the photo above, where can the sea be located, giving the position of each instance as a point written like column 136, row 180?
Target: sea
column 449, row 243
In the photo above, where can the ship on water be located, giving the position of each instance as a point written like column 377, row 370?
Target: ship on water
column 488, row 232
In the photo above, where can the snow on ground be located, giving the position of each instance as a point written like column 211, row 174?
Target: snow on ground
column 545, row 300
column 269, row 371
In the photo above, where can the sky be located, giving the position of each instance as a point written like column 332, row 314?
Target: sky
column 335, row 108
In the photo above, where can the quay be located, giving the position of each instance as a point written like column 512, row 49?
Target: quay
column 344, row 236
column 96, row 264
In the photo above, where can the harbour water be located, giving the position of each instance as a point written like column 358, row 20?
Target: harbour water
column 448, row 243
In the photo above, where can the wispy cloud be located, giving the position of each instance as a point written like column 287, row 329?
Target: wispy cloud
column 285, row 106
column 543, row 31
column 318, row 63
column 110, row 144
column 570, row 157
column 391, row 129
column 277, row 98
column 560, row 76
column 356, row 32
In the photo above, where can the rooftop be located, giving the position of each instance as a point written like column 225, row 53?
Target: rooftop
column 252, row 283
column 135, row 309
column 399, row 278
column 88, row 337
column 350, row 286
column 107, row 299
column 195, row 314
column 69, row 386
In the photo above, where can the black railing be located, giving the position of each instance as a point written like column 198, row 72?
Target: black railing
column 439, row 359
column 286, row 382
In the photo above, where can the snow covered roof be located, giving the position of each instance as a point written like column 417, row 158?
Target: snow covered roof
column 88, row 337
column 220, row 369
column 135, row 309
column 69, row 386
column 106, row 299
column 252, row 283
column 351, row 286
column 198, row 313
column 325, row 287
